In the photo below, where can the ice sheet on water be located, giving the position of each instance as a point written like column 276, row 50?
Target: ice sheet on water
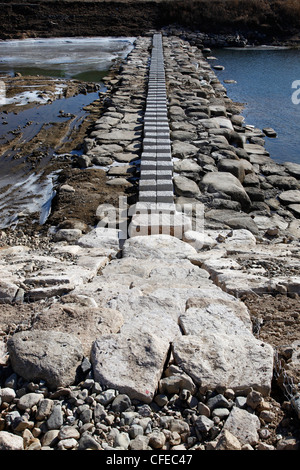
column 30, row 96
column 70, row 54
column 30, row 195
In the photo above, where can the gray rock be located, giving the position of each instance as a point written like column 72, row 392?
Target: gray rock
column 9, row 441
column 203, row 424
column 131, row 365
column 293, row 169
column 295, row 209
column 288, row 443
column 187, row 166
column 182, row 135
column 290, row 197
column 99, row 412
column 102, row 161
column 255, row 194
column 227, row 441
column 184, row 150
column 229, row 360
column 218, row 401
column 157, row 247
column 84, row 161
column 55, row 420
column 235, row 167
column 269, row 132
column 226, row 183
column 48, row 355
column 243, row 425
column 7, row 394
column 44, row 409
column 175, row 383
column 139, row 443
column 8, row 291
column 69, row 235
column 283, row 182
column 29, row 400
column 185, row 187
column 87, row 441
column 230, row 218
column 121, row 403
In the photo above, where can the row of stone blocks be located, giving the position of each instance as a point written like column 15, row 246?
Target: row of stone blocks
column 155, row 212
column 156, row 186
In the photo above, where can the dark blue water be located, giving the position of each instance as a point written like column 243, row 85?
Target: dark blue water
column 264, row 82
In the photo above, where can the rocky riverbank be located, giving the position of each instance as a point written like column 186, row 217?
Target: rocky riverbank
column 158, row 342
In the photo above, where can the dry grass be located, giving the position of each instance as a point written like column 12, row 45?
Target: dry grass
column 278, row 15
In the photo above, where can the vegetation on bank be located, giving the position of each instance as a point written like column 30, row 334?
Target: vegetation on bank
column 272, row 18
column 268, row 16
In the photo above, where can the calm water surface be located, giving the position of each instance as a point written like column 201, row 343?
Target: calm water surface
column 264, row 82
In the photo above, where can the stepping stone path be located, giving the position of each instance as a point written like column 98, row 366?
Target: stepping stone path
column 155, row 211
column 156, row 164
column 160, row 314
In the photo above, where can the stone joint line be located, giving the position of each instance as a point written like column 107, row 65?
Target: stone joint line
column 156, row 185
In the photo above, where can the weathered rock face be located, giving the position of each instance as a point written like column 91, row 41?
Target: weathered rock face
column 157, row 247
column 225, row 358
column 227, row 183
column 51, row 356
column 136, row 360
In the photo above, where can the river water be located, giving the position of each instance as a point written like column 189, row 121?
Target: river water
column 84, row 59
column 265, row 78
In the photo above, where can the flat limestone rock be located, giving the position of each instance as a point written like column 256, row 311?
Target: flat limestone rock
column 216, row 307
column 239, row 283
column 131, row 365
column 174, row 224
column 290, row 197
column 218, row 316
column 101, row 237
column 157, row 246
column 215, row 358
column 115, row 136
column 51, row 356
column 87, row 323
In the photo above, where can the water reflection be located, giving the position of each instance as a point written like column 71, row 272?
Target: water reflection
column 264, row 79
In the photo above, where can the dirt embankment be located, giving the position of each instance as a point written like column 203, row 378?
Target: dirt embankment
column 269, row 19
